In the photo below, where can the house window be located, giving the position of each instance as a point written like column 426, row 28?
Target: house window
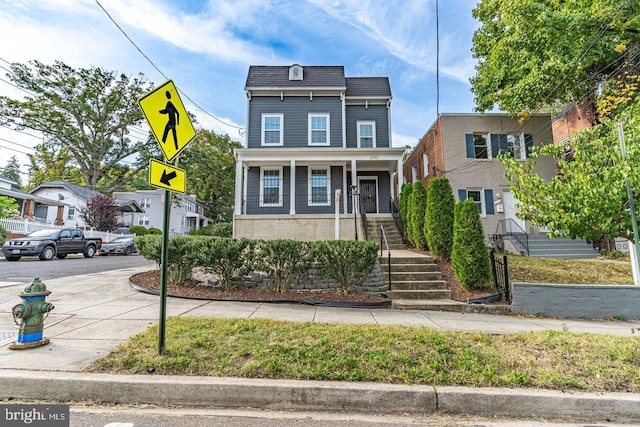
column 515, row 146
column 482, row 197
column 272, row 129
column 425, row 162
column 319, row 129
column 145, row 203
column 366, row 134
column 72, row 213
column 319, row 187
column 271, row 187
column 481, row 145
column 476, row 196
column 143, row 220
column 414, row 173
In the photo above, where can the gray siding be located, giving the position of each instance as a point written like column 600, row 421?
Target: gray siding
column 377, row 113
column 296, row 111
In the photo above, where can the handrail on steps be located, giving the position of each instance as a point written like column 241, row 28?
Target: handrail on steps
column 383, row 236
column 509, row 227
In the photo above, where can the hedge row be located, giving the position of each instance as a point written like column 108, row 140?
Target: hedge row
column 349, row 263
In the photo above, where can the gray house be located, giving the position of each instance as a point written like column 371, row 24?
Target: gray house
column 316, row 142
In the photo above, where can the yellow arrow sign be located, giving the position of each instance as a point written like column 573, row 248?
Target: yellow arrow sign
column 167, row 177
column 168, row 119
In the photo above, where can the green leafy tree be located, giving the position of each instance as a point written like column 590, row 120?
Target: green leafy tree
column 209, row 162
column 469, row 257
column 416, row 217
column 101, row 213
column 588, row 198
column 51, row 164
column 12, row 171
column 9, row 208
column 531, row 53
column 438, row 219
column 405, row 192
column 88, row 112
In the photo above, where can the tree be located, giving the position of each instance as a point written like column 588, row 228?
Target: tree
column 469, row 257
column 88, row 112
column 438, row 219
column 405, row 195
column 209, row 162
column 531, row 53
column 49, row 164
column 588, row 198
column 9, row 208
column 416, row 217
column 101, row 213
column 12, row 171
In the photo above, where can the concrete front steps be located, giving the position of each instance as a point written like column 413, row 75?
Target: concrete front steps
column 560, row 247
column 394, row 238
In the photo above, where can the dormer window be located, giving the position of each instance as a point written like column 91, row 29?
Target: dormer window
column 295, row 72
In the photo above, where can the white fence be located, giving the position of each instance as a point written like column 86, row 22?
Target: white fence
column 24, row 226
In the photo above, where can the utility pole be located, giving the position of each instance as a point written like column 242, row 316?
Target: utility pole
column 635, row 255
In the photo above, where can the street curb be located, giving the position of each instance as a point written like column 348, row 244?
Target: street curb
column 328, row 396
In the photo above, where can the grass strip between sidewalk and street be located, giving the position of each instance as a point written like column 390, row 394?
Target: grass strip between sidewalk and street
column 260, row 348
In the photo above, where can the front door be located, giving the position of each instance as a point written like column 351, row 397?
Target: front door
column 368, row 195
column 511, row 210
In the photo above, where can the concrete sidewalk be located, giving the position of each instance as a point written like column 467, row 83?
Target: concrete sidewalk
column 94, row 313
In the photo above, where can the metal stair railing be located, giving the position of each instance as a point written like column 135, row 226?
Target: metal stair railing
column 397, row 218
column 383, row 238
column 508, row 227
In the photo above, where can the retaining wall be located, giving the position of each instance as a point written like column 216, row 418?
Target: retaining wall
column 579, row 301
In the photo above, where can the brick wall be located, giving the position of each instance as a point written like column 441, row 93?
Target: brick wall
column 577, row 117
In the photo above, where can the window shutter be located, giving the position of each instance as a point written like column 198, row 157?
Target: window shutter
column 488, row 201
column 495, row 144
column 462, row 194
column 469, row 142
column 528, row 143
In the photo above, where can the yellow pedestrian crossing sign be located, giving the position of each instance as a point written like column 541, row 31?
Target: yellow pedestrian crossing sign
column 167, row 177
column 168, row 119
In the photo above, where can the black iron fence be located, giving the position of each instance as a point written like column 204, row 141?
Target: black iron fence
column 500, row 271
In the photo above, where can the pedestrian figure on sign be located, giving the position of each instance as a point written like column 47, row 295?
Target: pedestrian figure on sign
column 173, row 120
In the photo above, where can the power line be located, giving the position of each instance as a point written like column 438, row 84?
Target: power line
column 240, row 128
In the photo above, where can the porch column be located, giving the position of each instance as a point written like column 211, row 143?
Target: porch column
column 238, row 191
column 345, row 192
column 292, row 187
column 29, row 208
column 59, row 220
column 400, row 178
column 245, row 171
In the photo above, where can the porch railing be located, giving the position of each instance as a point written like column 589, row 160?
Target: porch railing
column 508, row 227
column 257, row 204
column 397, row 218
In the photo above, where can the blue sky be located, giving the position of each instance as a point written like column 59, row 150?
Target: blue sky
column 206, row 47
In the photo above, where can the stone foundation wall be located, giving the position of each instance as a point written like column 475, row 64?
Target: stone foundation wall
column 299, row 227
column 311, row 282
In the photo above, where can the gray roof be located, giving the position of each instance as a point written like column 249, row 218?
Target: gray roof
column 368, row 86
column 84, row 193
column 268, row 76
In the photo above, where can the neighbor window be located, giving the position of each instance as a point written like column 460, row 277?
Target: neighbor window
column 481, row 145
column 515, row 146
column 72, row 213
column 145, row 203
column 272, row 129
column 271, row 187
column 143, row 220
column 425, row 164
column 476, row 196
column 319, row 187
column 319, row 129
column 366, row 134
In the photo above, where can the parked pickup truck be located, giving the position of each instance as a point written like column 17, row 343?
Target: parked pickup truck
column 49, row 243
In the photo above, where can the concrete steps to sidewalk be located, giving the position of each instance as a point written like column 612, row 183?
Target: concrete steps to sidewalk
column 559, row 247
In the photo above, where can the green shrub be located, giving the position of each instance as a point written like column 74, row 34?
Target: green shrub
column 438, row 219
column 405, row 194
column 470, row 257
column 154, row 231
column 179, row 261
column 3, row 235
column 416, row 215
column 228, row 259
column 282, row 260
column 202, row 231
column 222, row 229
column 347, row 262
column 138, row 230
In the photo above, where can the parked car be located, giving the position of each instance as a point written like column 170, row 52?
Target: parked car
column 48, row 243
column 119, row 245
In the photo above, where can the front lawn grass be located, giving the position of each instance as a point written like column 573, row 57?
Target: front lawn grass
column 258, row 348
column 569, row 271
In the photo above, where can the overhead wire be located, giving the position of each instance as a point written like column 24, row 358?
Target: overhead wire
column 240, row 128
